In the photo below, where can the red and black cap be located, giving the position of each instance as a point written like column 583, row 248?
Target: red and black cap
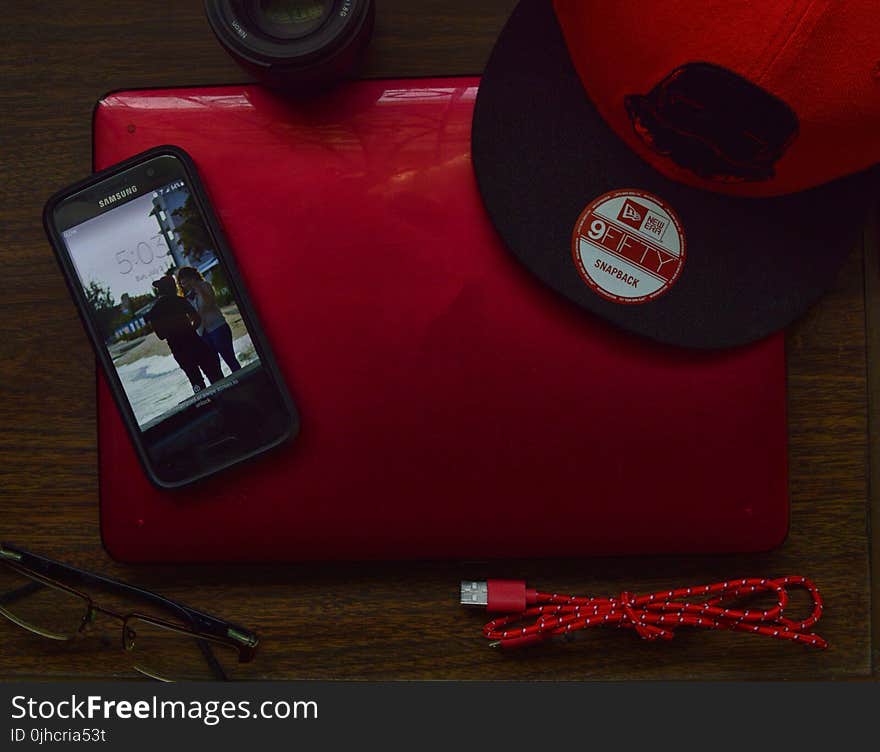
column 696, row 172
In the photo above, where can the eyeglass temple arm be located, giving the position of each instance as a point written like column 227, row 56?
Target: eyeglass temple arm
column 55, row 569
column 211, row 660
column 11, row 596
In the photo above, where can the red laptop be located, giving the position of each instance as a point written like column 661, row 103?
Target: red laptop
column 452, row 406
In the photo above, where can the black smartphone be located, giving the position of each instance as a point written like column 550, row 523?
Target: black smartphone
column 165, row 308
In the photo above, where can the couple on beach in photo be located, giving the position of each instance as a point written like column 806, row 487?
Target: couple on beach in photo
column 187, row 316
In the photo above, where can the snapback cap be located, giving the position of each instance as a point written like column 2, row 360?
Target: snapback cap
column 696, row 172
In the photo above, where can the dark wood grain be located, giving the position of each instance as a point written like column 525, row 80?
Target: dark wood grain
column 872, row 319
column 377, row 620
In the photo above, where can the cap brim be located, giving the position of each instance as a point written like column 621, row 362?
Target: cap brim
column 542, row 152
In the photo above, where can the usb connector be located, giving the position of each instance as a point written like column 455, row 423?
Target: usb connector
column 474, row 593
column 502, row 596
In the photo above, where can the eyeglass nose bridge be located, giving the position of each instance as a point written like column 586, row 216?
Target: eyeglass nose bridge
column 129, row 635
column 91, row 615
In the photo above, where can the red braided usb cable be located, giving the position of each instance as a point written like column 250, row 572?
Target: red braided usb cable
column 658, row 615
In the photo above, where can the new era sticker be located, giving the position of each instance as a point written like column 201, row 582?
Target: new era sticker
column 629, row 246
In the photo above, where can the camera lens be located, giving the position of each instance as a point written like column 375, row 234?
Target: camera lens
column 295, row 45
column 291, row 19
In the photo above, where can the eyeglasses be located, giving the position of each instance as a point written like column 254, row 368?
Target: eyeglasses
column 189, row 645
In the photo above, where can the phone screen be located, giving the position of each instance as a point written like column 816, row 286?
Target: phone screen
column 168, row 313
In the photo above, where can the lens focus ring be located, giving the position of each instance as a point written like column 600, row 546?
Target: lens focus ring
column 293, row 44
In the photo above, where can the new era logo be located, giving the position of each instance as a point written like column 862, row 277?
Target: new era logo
column 632, row 214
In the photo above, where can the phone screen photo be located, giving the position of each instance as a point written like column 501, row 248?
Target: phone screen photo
column 168, row 313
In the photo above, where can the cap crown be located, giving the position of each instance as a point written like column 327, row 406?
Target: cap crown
column 751, row 97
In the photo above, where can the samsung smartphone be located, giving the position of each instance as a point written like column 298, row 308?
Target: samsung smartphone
column 168, row 315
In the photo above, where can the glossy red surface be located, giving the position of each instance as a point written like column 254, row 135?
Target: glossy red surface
column 451, row 406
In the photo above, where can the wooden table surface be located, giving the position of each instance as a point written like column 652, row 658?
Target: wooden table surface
column 370, row 621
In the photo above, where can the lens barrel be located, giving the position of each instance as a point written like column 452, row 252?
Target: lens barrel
column 294, row 45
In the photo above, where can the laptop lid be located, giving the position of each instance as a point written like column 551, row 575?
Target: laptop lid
column 452, row 406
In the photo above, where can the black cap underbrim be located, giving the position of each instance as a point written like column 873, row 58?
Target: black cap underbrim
column 542, row 152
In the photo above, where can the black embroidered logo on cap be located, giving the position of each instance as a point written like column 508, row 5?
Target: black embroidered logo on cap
column 714, row 123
